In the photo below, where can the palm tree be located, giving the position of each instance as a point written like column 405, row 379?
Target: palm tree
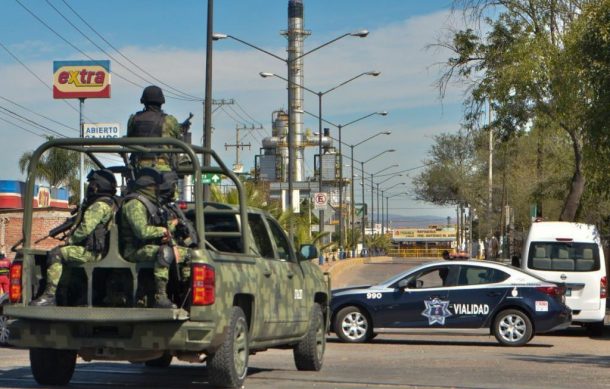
column 58, row 167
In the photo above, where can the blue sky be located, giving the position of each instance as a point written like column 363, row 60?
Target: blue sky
column 167, row 39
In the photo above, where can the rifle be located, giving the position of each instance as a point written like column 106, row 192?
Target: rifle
column 63, row 228
column 185, row 126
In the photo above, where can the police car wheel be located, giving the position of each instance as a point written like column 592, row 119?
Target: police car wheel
column 228, row 367
column 352, row 325
column 52, row 367
column 512, row 328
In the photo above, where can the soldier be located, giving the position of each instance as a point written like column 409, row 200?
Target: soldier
column 152, row 122
column 87, row 241
column 145, row 232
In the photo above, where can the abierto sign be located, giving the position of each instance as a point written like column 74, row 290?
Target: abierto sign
column 101, row 130
column 81, row 79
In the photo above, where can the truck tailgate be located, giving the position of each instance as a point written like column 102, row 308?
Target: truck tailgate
column 86, row 314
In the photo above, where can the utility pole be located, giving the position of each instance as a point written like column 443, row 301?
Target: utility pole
column 238, row 167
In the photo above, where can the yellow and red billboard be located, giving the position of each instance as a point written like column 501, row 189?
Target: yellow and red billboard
column 81, row 79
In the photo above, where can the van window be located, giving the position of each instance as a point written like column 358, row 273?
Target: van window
column 563, row 256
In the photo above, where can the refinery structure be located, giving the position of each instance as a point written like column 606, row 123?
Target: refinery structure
column 275, row 157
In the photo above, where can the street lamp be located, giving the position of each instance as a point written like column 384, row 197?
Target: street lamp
column 372, row 198
column 387, row 216
column 292, row 63
column 362, row 170
column 380, row 207
column 320, row 94
column 352, row 195
column 339, row 127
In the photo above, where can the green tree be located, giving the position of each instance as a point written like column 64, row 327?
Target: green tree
column 520, row 65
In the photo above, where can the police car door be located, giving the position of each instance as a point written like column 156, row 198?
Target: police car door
column 421, row 300
column 476, row 295
column 292, row 301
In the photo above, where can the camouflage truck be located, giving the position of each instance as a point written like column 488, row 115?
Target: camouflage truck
column 249, row 290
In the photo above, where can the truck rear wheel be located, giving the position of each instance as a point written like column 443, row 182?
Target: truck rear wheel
column 228, row 367
column 309, row 353
column 52, row 367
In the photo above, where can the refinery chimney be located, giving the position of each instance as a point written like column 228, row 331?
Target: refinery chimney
column 295, row 35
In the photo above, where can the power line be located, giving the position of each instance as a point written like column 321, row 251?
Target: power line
column 18, row 126
column 105, row 52
column 34, row 74
column 248, row 115
column 37, row 114
column 23, row 119
column 126, row 58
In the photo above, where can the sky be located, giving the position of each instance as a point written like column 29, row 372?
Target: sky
column 166, row 39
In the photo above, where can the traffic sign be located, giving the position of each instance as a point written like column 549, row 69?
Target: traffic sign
column 360, row 209
column 210, row 178
column 320, row 199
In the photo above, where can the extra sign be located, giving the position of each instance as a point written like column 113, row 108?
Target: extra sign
column 101, row 130
column 81, row 79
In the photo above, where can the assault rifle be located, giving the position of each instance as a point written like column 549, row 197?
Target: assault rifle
column 185, row 126
column 63, row 228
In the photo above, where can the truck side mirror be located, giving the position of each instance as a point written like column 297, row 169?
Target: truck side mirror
column 515, row 261
column 307, row 252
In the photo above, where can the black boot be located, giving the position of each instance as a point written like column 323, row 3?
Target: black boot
column 46, row 300
column 161, row 299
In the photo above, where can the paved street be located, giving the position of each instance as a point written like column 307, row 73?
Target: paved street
column 567, row 359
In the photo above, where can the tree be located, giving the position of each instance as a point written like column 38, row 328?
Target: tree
column 520, row 65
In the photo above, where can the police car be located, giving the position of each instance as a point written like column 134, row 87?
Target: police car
column 513, row 304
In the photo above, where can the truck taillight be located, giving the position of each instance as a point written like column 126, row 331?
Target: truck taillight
column 15, row 282
column 204, row 284
column 603, row 288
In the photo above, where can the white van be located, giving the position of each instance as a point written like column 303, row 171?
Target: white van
column 571, row 253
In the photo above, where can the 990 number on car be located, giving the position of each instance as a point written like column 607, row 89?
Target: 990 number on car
column 373, row 295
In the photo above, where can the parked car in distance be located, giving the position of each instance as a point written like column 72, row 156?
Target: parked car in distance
column 512, row 304
column 571, row 253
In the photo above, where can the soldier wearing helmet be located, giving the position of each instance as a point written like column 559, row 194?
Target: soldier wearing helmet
column 152, row 122
column 87, row 240
column 146, row 232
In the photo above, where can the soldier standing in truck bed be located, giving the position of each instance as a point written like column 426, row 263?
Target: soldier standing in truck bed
column 87, row 241
column 153, row 122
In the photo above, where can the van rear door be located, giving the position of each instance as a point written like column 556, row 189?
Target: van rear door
column 576, row 264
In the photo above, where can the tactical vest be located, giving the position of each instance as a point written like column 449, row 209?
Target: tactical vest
column 156, row 215
column 147, row 124
column 96, row 241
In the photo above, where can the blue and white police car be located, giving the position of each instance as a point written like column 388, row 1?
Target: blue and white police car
column 513, row 304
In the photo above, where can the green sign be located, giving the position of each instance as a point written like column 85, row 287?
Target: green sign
column 210, row 178
column 360, row 209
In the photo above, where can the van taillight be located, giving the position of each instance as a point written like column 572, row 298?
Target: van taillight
column 204, row 284
column 603, row 288
column 15, row 282
column 552, row 290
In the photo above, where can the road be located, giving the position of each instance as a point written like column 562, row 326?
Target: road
column 568, row 359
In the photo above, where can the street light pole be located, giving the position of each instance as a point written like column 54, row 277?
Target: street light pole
column 291, row 119
column 363, row 200
column 320, row 130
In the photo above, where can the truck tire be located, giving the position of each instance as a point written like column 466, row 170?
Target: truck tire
column 309, row 353
column 52, row 367
column 512, row 328
column 595, row 329
column 4, row 331
column 352, row 325
column 162, row 362
column 228, row 367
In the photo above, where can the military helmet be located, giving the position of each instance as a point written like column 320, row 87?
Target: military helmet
column 152, row 95
column 146, row 177
column 102, row 181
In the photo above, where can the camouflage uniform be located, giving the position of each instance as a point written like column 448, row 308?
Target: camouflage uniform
column 150, row 125
column 87, row 240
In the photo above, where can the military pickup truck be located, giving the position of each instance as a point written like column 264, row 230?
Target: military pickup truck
column 249, row 290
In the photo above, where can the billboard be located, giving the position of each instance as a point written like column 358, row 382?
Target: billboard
column 81, row 79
